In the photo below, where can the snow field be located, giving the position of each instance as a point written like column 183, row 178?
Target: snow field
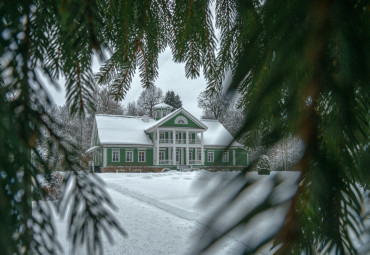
column 163, row 213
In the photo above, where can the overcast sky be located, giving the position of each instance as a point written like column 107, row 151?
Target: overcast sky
column 171, row 77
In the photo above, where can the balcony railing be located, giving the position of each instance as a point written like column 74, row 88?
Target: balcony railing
column 195, row 162
column 179, row 141
column 194, row 141
column 165, row 140
column 166, row 162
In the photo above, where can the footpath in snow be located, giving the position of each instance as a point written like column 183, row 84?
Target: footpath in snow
column 162, row 214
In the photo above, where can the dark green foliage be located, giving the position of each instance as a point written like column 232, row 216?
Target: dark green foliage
column 172, row 99
column 55, row 38
column 302, row 68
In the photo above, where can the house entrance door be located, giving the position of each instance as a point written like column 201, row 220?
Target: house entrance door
column 179, row 157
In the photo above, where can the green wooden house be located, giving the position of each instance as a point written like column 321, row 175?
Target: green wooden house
column 169, row 140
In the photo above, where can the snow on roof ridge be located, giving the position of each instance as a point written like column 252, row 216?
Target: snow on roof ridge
column 162, row 104
column 124, row 116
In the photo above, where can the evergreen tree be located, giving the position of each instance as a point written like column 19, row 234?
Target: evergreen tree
column 173, row 100
column 300, row 65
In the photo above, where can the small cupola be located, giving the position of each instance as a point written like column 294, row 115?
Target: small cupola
column 161, row 110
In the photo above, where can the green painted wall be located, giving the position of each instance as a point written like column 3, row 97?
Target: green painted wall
column 96, row 142
column 240, row 157
column 122, row 162
column 171, row 122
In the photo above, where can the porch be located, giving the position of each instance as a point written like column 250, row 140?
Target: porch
column 178, row 147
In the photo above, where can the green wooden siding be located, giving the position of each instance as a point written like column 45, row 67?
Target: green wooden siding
column 240, row 157
column 96, row 142
column 171, row 122
column 123, row 162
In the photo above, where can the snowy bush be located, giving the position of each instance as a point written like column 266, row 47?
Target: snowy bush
column 263, row 165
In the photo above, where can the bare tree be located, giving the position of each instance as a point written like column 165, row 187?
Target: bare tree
column 233, row 119
column 148, row 98
column 105, row 102
column 214, row 105
column 133, row 110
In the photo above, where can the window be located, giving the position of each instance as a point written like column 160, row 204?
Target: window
column 129, row 156
column 211, row 156
column 161, row 155
column 199, row 155
column 141, row 156
column 225, row 156
column 181, row 120
column 115, row 156
column 161, row 136
column 190, row 155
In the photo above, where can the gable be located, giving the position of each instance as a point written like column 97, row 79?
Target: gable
column 180, row 120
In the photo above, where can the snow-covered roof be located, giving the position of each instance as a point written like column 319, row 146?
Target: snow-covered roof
column 92, row 149
column 162, row 105
column 217, row 134
column 114, row 129
column 118, row 129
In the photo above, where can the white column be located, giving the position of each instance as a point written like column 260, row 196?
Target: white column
column 234, row 158
column 174, row 147
column 105, row 157
column 202, row 147
column 187, row 148
column 157, row 147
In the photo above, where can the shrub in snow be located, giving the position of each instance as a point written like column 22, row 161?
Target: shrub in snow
column 263, row 165
column 50, row 187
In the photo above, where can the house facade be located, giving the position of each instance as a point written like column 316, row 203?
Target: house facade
column 169, row 140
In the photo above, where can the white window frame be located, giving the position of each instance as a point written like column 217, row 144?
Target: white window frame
column 162, row 155
column 128, row 157
column 225, row 156
column 138, row 156
column 115, row 156
column 181, row 120
column 211, row 159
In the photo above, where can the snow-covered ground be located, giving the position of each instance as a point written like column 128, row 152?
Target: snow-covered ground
column 162, row 212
